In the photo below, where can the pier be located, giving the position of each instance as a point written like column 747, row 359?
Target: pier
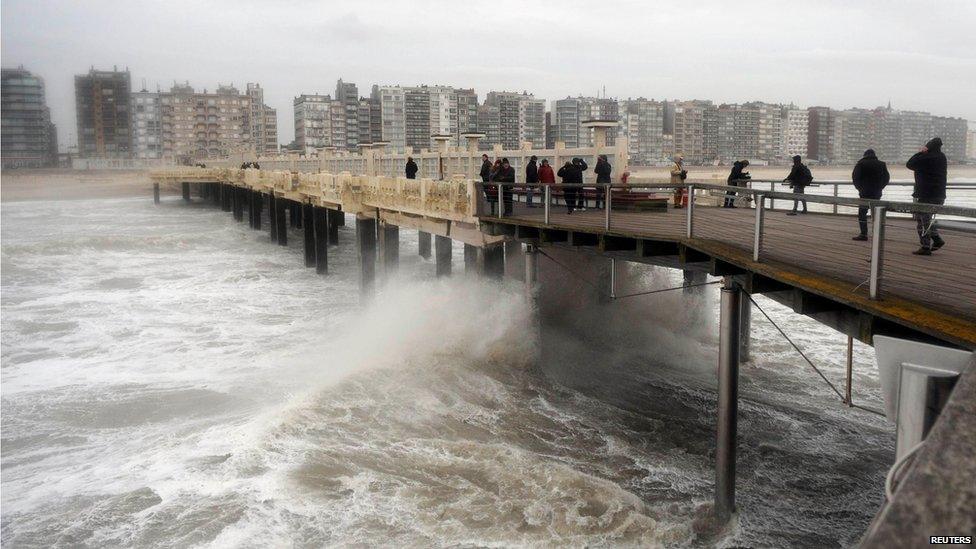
column 807, row 262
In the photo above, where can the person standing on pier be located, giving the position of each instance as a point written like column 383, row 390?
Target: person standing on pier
column 569, row 174
column 485, row 168
column 799, row 178
column 678, row 176
column 411, row 168
column 736, row 179
column 870, row 176
column 506, row 174
column 546, row 175
column 531, row 179
column 602, row 170
column 931, row 176
column 581, row 167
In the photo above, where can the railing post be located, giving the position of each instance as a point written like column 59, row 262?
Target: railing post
column 835, row 196
column 547, row 192
column 772, row 201
column 689, row 227
column 501, row 198
column 606, row 204
column 760, row 220
column 877, row 251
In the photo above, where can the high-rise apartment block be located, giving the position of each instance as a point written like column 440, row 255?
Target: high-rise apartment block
column 521, row 118
column 571, row 112
column 264, row 122
column 102, row 103
column 642, row 123
column 205, row 125
column 29, row 138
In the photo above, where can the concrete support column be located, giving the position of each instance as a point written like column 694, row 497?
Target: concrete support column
column 280, row 220
column 745, row 327
column 389, row 242
column 309, row 230
column 423, row 240
column 366, row 245
column 225, row 197
column 237, row 203
column 694, row 277
column 273, row 216
column 155, row 193
column 186, row 191
column 470, row 258
column 257, row 207
column 443, row 252
column 531, row 278
column 514, row 260
column 492, row 261
column 215, row 193
column 321, row 224
column 336, row 218
column 728, row 400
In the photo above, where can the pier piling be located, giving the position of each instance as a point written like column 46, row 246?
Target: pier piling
column 366, row 244
column 280, row 220
column 745, row 327
column 493, row 261
column 470, row 258
column 225, row 197
column 443, row 251
column 321, row 224
column 728, row 400
column 257, row 207
column 423, row 240
column 273, row 216
column 531, row 271
column 237, row 203
column 335, row 219
column 155, row 193
column 514, row 260
column 309, row 230
column 389, row 242
column 186, row 191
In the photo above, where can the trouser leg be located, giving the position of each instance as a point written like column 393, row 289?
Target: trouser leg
column 923, row 221
column 862, row 219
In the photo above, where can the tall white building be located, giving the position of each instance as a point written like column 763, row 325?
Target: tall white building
column 147, row 125
column 264, row 122
column 521, row 118
column 796, row 125
column 313, row 122
column 443, row 112
column 571, row 112
column 393, row 110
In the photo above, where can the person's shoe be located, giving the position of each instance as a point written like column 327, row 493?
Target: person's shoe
column 791, row 213
column 860, row 237
column 569, row 212
column 803, row 212
column 936, row 244
column 922, row 251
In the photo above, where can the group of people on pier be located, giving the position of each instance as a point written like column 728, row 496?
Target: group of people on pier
column 870, row 177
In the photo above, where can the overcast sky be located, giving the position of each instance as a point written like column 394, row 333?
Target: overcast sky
column 920, row 56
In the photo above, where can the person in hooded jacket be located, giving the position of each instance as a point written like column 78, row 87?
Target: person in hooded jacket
column 931, row 177
column 531, row 179
column 506, row 174
column 870, row 176
column 485, row 168
column 735, row 179
column 602, row 170
column 570, row 173
column 581, row 166
column 799, row 178
column 411, row 168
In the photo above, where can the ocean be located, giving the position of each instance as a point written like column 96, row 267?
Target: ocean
column 170, row 378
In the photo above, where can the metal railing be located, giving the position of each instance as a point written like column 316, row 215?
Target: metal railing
column 507, row 197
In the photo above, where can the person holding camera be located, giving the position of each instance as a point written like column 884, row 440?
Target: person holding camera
column 800, row 176
column 678, row 176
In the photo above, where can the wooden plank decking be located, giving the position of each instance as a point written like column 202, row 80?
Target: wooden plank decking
column 936, row 294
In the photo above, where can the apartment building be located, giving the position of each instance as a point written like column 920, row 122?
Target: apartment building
column 642, row 123
column 264, row 122
column 954, row 133
column 147, row 124
column 29, row 139
column 205, row 125
column 571, row 112
column 313, row 122
column 102, row 105
column 796, row 127
column 696, row 130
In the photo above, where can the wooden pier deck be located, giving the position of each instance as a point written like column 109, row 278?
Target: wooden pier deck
column 932, row 294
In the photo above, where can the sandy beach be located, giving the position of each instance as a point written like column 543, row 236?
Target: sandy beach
column 21, row 185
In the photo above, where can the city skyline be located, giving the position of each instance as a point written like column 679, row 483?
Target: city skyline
column 304, row 47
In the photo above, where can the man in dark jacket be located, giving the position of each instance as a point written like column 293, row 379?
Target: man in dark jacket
column 485, row 168
column 735, row 179
column 581, row 166
column 570, row 173
column 602, row 170
column 531, row 180
column 931, row 175
column 870, row 176
column 799, row 178
column 506, row 174
column 411, row 168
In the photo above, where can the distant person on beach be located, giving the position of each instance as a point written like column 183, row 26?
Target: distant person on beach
column 531, row 180
column 570, row 173
column 581, row 166
column 678, row 176
column 411, row 168
column 736, row 179
column 931, row 176
column 800, row 176
column 602, row 170
column 870, row 176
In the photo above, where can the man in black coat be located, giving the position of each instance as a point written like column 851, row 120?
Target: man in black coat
column 799, row 178
column 570, row 173
column 411, row 168
column 870, row 176
column 931, row 175
column 602, row 170
column 581, row 166
column 735, row 179
column 506, row 174
column 485, row 168
column 531, row 179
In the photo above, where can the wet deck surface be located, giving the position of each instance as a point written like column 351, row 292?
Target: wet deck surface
column 815, row 242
